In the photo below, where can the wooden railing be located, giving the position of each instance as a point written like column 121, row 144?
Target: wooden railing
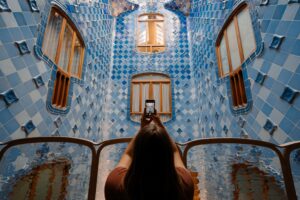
column 282, row 151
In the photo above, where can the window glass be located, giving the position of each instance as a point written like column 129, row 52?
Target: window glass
column 156, row 96
column 52, row 34
column 223, row 52
column 135, row 98
column 233, row 46
column 150, row 33
column 166, row 94
column 66, row 48
column 77, row 57
column 246, row 32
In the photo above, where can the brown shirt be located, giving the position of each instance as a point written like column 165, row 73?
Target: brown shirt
column 114, row 189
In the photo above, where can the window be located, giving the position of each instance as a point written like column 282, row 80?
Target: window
column 150, row 34
column 151, row 86
column 64, row 46
column 236, row 43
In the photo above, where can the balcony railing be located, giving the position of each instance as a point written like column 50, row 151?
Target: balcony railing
column 87, row 165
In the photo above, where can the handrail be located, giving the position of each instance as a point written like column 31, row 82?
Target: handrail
column 96, row 149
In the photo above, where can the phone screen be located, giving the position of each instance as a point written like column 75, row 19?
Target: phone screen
column 150, row 105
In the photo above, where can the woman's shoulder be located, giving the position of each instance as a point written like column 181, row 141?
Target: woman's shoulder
column 114, row 183
column 186, row 178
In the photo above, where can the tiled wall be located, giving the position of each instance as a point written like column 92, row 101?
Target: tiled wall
column 275, row 112
column 174, row 61
column 23, row 102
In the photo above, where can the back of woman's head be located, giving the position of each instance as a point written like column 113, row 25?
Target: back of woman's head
column 152, row 174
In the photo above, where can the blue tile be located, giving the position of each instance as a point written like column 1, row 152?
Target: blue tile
column 28, row 127
column 293, row 115
column 267, row 109
column 294, row 29
column 295, row 82
column 11, row 126
column 296, row 48
column 5, row 36
column 285, row 76
column 4, row 6
column 286, row 125
column 9, row 96
column 23, row 47
column 279, row 11
column 276, row 41
column 289, row 94
column 14, row 79
column 270, row 127
column 5, row 116
column 20, row 18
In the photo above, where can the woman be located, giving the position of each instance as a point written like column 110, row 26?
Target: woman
column 151, row 168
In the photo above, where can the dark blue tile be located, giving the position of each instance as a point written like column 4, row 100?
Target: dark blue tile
column 14, row 79
column 296, row 48
column 295, row 82
column 289, row 95
column 294, row 29
column 270, row 127
column 28, row 127
column 279, row 11
column 286, row 125
column 267, row 109
column 5, row 116
column 20, row 18
column 285, row 76
column 5, row 36
column 11, row 126
column 276, row 41
column 9, row 96
column 4, row 6
column 23, row 47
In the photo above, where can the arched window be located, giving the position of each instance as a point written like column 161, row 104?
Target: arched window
column 150, row 33
column 235, row 44
column 64, row 46
column 151, row 86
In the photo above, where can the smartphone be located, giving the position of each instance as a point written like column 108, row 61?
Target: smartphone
column 150, row 107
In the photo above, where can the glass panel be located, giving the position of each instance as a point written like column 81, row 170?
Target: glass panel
column 156, row 96
column 159, row 33
column 235, row 171
column 233, row 46
column 295, row 167
column 246, row 32
column 109, row 157
column 144, row 17
column 142, row 34
column 34, row 171
column 145, row 95
column 224, row 58
column 166, row 97
column 66, row 48
column 51, row 35
column 77, row 60
column 135, row 98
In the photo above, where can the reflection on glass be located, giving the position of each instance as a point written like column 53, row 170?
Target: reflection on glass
column 223, row 52
column 246, row 32
column 233, row 46
column 77, row 57
column 237, row 171
column 39, row 170
column 66, row 48
column 295, row 167
column 51, row 35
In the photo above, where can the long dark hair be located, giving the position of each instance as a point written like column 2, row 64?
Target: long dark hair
column 152, row 174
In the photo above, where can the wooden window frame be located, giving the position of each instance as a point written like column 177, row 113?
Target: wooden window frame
column 61, row 87
column 150, row 92
column 151, row 46
column 239, row 98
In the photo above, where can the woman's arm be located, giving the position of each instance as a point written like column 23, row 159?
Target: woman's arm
column 126, row 158
column 177, row 155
